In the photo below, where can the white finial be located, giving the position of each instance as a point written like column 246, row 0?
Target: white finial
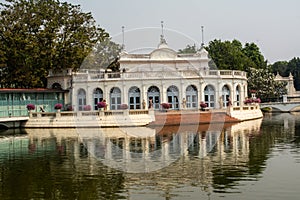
column 202, row 43
column 162, row 39
column 162, row 28
column 123, row 38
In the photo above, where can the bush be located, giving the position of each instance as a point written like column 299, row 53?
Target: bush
column 30, row 106
column 58, row 106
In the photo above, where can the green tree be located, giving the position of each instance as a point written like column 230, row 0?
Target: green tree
column 280, row 67
column 233, row 56
column 226, row 55
column 36, row 36
column 256, row 59
column 288, row 67
column 104, row 55
column 189, row 49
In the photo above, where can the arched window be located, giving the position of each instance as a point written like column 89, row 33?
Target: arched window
column 172, row 94
column 134, row 98
column 225, row 95
column 237, row 96
column 115, row 98
column 81, row 99
column 98, row 97
column 56, row 86
column 191, row 97
column 153, row 97
column 209, row 96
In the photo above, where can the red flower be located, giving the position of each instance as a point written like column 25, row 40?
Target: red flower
column 57, row 106
column 165, row 105
column 203, row 105
column 101, row 104
column 30, row 106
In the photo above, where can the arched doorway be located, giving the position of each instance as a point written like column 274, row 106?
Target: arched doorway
column 134, row 96
column 172, row 94
column 153, row 97
column 98, row 97
column 115, row 98
column 209, row 96
column 225, row 95
column 191, row 97
column 81, row 99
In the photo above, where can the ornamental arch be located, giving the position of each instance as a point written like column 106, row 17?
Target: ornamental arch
column 115, row 98
column 191, row 96
column 209, row 96
column 172, row 96
column 134, row 98
column 226, row 96
column 98, row 96
column 153, row 96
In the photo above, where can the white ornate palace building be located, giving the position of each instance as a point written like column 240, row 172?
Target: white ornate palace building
column 148, row 80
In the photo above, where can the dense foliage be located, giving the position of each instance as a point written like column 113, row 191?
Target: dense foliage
column 36, row 36
column 285, row 68
column 233, row 56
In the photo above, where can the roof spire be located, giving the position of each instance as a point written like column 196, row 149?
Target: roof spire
column 123, row 38
column 162, row 38
column 202, row 30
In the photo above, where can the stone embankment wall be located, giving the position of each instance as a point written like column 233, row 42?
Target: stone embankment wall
column 93, row 119
column 244, row 113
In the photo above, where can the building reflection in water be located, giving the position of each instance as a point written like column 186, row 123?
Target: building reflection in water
column 172, row 156
column 142, row 149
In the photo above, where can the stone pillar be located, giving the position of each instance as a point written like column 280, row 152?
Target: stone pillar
column 163, row 93
column 124, row 92
column 144, row 96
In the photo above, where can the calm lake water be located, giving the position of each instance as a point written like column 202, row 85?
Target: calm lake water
column 257, row 159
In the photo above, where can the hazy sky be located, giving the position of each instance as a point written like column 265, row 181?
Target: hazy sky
column 274, row 25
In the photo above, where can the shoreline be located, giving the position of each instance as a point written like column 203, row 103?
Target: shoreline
column 136, row 118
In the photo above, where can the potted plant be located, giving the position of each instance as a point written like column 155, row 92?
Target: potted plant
column 101, row 105
column 58, row 106
column 30, row 107
column 203, row 105
column 165, row 106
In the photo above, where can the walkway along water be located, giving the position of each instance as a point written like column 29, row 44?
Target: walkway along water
column 123, row 118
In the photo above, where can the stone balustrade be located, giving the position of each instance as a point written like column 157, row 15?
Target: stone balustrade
column 102, row 76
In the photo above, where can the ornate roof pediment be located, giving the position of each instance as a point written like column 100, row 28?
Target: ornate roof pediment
column 163, row 54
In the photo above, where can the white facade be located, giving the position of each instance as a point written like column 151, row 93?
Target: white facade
column 163, row 76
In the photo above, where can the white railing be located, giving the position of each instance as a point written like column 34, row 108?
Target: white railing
column 101, row 76
column 87, row 113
